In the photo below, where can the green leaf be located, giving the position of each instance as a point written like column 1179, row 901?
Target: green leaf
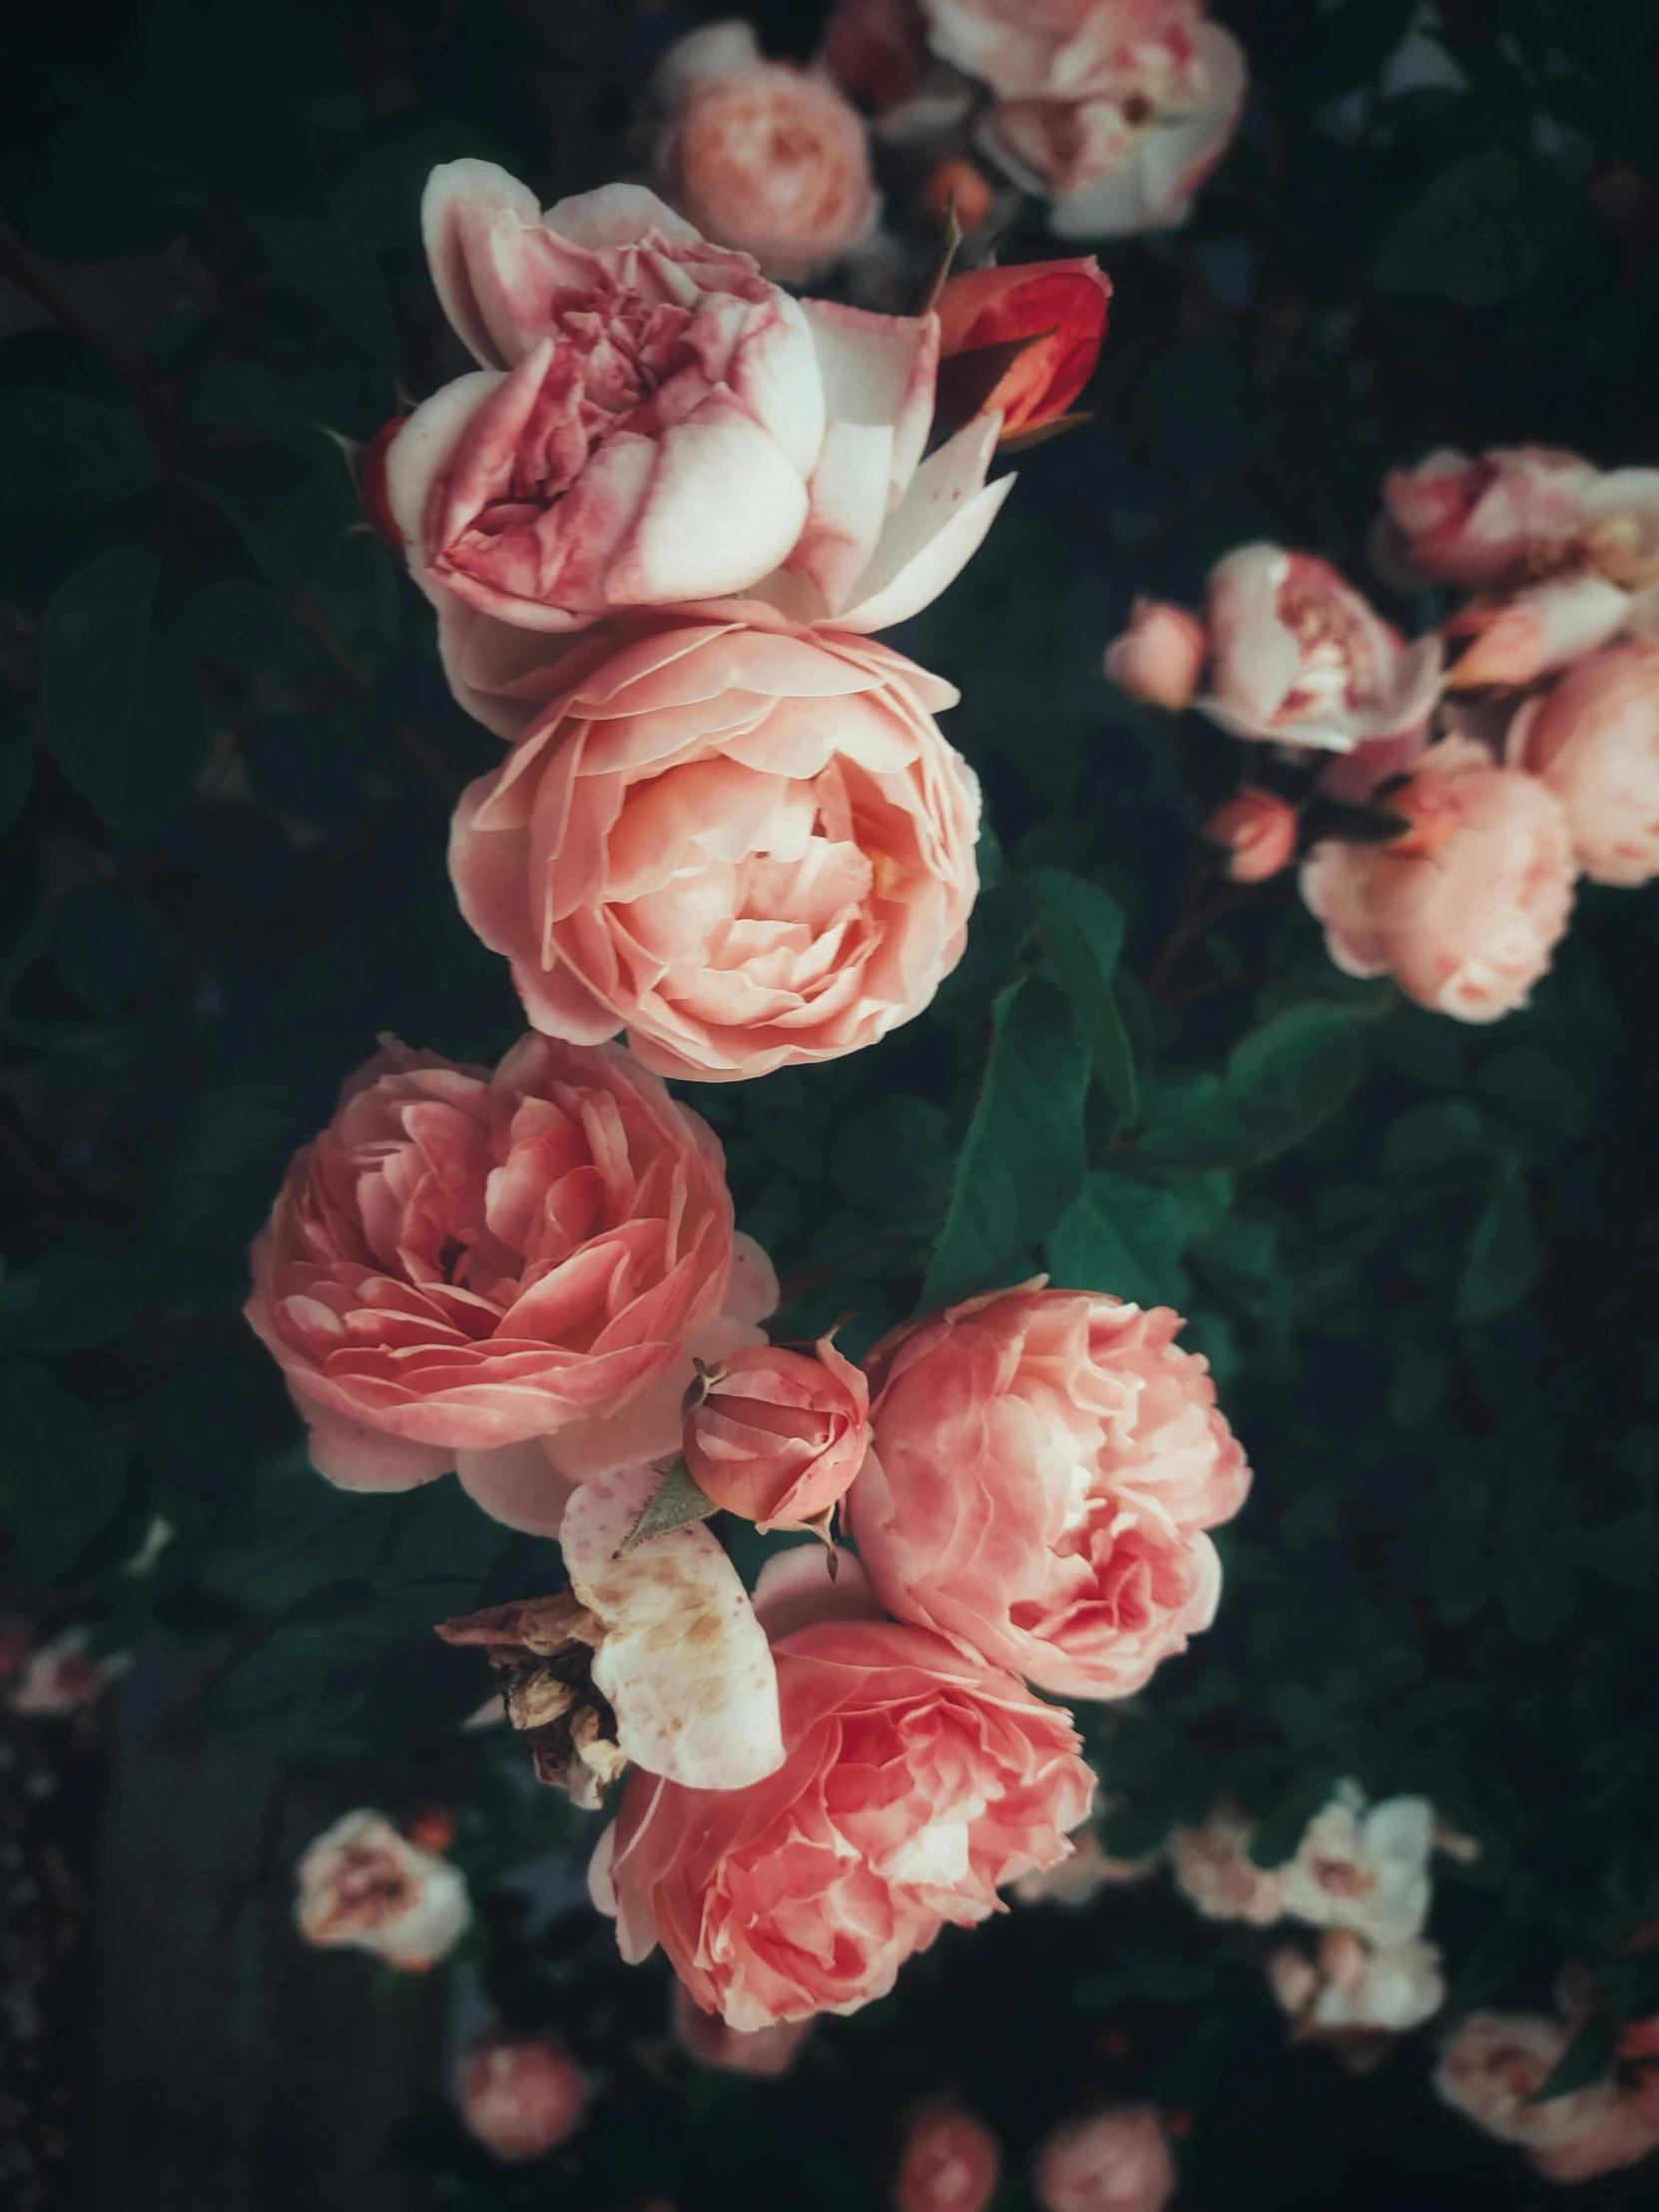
column 377, row 199
column 64, row 1304
column 327, row 263
column 1504, row 1253
column 1080, row 928
column 63, row 454
column 1122, row 1236
column 17, row 776
column 1588, row 2058
column 677, row 1502
column 1477, row 235
column 1022, row 1159
column 229, row 1159
column 1282, row 1082
column 60, row 1475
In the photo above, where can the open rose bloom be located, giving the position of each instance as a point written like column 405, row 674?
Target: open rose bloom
column 463, row 1264
column 1045, row 1465
column 519, row 2096
column 1494, row 2063
column 1594, row 739
column 652, row 422
column 364, row 1887
column 1119, row 2161
column 749, row 845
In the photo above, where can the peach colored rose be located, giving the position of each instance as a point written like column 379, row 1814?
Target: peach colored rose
column 519, row 2096
column 1055, row 312
column 777, row 1435
column 1117, row 2162
column 749, row 845
column 1043, row 1464
column 1495, row 2061
column 1594, row 739
column 1302, row 659
column 364, row 1887
column 951, row 2163
column 1160, row 657
column 914, row 1782
column 1476, row 522
column 761, row 155
column 463, row 1262
column 1215, row 1873
column 763, row 2052
column 654, row 422
column 1468, row 929
column 1258, row 833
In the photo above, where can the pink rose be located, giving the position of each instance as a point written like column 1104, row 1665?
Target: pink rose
column 1467, row 930
column 1354, row 1990
column 777, row 1436
column 1302, row 659
column 1476, row 522
column 763, row 2052
column 1594, row 739
column 1258, row 833
column 1037, row 49
column 1055, row 312
column 519, row 2096
column 1544, row 627
column 750, row 845
column 914, row 1782
column 364, row 1887
column 1117, row 2162
column 1160, row 657
column 1215, row 1875
column 1043, row 1463
column 951, row 2163
column 1492, row 2064
column 464, row 1262
column 761, row 155
column 652, row 422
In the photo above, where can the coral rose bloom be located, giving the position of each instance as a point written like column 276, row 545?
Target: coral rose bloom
column 951, row 2163
column 914, row 1782
column 364, row 1887
column 751, row 846
column 519, row 2096
column 1468, row 928
column 464, row 1261
column 777, row 1436
column 1594, row 739
column 1043, row 1463
column 1116, row 2162
column 1495, row 2061
column 1054, row 310
column 761, row 155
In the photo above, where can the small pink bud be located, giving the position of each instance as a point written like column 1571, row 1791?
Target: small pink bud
column 951, row 2163
column 777, row 1435
column 1161, row 656
column 519, row 2096
column 1258, row 833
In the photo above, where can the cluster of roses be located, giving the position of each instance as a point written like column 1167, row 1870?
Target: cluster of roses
column 658, row 525
column 1114, row 111
column 1481, row 770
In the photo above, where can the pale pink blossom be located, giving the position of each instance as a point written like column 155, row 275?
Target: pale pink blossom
column 1480, row 522
column 1119, row 2161
column 59, row 1677
column 1363, row 1867
column 364, row 1887
column 1468, row 929
column 519, row 2096
column 750, row 845
column 1356, row 1987
column 1538, row 629
column 1215, row 1873
column 1301, row 658
column 951, row 2162
column 1493, row 2064
column 1594, row 739
column 1043, row 1466
column 765, row 2053
column 1160, row 657
column 1258, row 833
column 652, row 422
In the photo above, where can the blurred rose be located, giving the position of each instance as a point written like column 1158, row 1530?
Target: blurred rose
column 1363, row 1867
column 654, row 424
column 1356, row 1987
column 765, row 2052
column 1258, row 833
column 1467, row 522
column 1117, row 2162
column 753, row 847
column 1492, row 2064
column 1302, row 659
column 519, row 2096
column 915, row 1782
column 1215, row 1873
column 874, row 50
column 1594, row 739
column 951, row 2163
column 1624, row 2135
column 57, row 1678
column 1043, row 1463
column 1468, row 929
column 364, row 1887
column 464, row 1262
column 1542, row 628
column 1055, row 312
column 778, row 1436
column 962, row 187
column 1160, row 657
column 759, row 155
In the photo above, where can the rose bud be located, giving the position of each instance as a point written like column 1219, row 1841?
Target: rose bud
column 961, row 186
column 1117, row 2162
column 1594, row 739
column 951, row 2163
column 1160, row 657
column 1537, row 631
column 1019, row 341
column 763, row 2052
column 519, row 2096
column 777, row 1435
column 371, row 485
column 1256, row 830
column 364, row 1887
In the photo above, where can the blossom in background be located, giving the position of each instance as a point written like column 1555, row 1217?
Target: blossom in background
column 765, row 2053
column 364, row 1887
column 1258, row 833
column 777, row 1435
column 1160, row 657
column 753, row 847
column 1043, row 1466
column 1594, row 739
column 1215, row 1873
column 1468, row 928
column 1453, row 520
column 1119, row 2161
column 654, row 422
column 50, row 1681
column 464, row 1262
column 1358, row 1989
column 1492, row 2064
column 914, row 1782
column 950, row 2162
column 1079, row 1880
column 519, row 2096
column 761, row 155
column 1020, row 341
column 1363, row 1867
